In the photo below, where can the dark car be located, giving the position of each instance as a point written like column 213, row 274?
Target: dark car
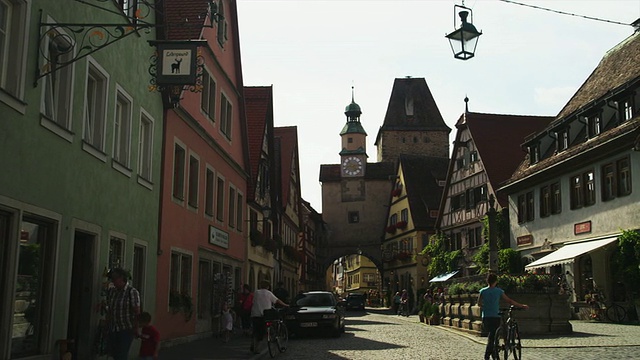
column 355, row 301
column 316, row 311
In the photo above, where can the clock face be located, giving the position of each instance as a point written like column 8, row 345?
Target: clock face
column 352, row 166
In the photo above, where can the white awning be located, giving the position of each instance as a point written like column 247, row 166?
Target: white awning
column 444, row 277
column 567, row 253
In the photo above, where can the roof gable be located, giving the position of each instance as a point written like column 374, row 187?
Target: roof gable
column 421, row 175
column 259, row 107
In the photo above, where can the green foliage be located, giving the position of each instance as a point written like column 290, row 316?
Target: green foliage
column 181, row 302
column 481, row 258
column 440, row 260
column 509, row 261
column 528, row 283
column 627, row 257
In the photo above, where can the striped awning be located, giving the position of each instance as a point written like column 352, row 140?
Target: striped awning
column 444, row 277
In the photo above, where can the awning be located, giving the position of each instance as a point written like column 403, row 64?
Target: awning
column 444, row 277
column 567, row 253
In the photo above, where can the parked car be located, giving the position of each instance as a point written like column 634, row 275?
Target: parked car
column 316, row 311
column 355, row 301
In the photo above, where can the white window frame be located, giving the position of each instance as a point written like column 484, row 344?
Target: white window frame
column 122, row 128
column 179, row 285
column 122, row 238
column 145, row 148
column 56, row 106
column 13, row 63
column 95, row 105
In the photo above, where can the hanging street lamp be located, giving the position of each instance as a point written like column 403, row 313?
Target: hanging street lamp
column 463, row 40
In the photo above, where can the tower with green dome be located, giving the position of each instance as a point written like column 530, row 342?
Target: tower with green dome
column 354, row 143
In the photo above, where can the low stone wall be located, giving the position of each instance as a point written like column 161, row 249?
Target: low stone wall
column 547, row 314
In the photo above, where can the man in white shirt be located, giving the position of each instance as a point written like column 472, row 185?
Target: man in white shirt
column 263, row 299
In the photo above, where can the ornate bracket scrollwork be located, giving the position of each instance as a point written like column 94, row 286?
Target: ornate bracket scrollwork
column 175, row 91
column 62, row 44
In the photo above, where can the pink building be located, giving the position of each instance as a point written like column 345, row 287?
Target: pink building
column 202, row 243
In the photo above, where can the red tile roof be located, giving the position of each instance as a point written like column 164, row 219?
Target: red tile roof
column 184, row 18
column 288, row 138
column 259, row 107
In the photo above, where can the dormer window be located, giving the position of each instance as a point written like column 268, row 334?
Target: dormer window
column 626, row 109
column 563, row 139
column 594, row 126
column 534, row 154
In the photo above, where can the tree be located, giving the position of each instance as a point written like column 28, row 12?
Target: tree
column 440, row 260
column 627, row 258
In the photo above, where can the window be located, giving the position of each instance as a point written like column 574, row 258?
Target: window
column 129, row 8
column 480, row 194
column 525, row 207
column 116, row 252
column 95, row 105
column 13, row 63
column 475, row 237
column 534, row 154
column 594, row 124
column 240, row 212
column 576, row 199
column 145, row 146
column 232, row 207
column 349, row 140
column 57, row 86
column 208, row 98
column 139, row 265
column 222, row 25
column 180, row 278
column 220, row 200
column 556, row 199
column 460, row 163
column 563, row 139
column 470, row 199
column 208, row 196
column 624, row 177
column 393, row 219
column 178, row 171
column 545, row 201
column 616, row 179
column 225, row 116
column 626, row 109
column 354, row 217
column 589, row 188
column 404, row 215
column 34, row 283
column 194, row 172
column 122, row 128
column 473, row 156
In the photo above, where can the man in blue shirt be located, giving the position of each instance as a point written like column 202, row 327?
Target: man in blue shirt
column 489, row 302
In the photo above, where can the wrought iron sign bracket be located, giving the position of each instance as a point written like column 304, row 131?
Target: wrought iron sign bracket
column 62, row 44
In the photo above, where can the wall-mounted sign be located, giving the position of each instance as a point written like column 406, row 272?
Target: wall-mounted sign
column 177, row 62
column 582, row 228
column 524, row 240
column 218, row 237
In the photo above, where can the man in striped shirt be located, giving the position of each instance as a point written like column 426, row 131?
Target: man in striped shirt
column 124, row 307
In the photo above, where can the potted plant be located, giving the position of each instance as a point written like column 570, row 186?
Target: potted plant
column 434, row 319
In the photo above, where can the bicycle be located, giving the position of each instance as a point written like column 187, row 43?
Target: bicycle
column 614, row 313
column 507, row 339
column 404, row 309
column 277, row 332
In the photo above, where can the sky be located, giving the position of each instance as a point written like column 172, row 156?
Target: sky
column 527, row 62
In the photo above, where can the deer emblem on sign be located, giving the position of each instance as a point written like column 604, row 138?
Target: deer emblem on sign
column 175, row 67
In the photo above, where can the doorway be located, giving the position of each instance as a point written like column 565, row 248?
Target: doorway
column 80, row 297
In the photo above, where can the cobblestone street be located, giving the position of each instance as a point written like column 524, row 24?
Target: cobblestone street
column 388, row 337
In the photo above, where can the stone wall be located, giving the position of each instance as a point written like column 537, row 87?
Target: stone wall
column 547, row 314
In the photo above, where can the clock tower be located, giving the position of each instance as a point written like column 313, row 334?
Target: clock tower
column 354, row 148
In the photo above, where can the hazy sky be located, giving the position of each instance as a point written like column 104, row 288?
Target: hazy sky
column 528, row 61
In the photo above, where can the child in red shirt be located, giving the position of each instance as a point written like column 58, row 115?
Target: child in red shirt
column 150, row 338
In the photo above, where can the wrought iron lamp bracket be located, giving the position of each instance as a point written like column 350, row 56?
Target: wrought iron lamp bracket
column 62, row 44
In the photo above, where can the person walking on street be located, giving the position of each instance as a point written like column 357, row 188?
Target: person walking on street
column 150, row 337
column 396, row 303
column 124, row 308
column 263, row 299
column 489, row 303
column 246, row 302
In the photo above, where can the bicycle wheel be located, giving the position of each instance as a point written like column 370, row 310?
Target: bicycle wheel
column 516, row 345
column 272, row 341
column 616, row 313
column 499, row 345
column 283, row 337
